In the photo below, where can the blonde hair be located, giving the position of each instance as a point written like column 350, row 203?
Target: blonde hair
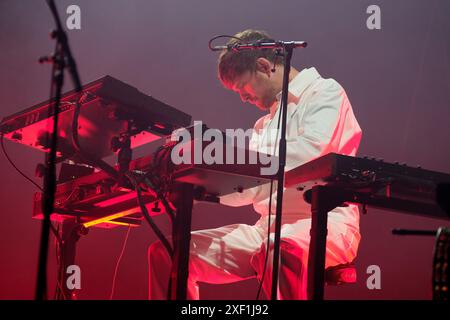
column 232, row 64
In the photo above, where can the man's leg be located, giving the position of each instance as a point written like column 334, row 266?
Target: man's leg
column 160, row 266
column 219, row 255
column 342, row 244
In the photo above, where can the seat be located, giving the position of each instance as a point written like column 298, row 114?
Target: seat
column 340, row 274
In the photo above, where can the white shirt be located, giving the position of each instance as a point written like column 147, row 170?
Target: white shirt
column 320, row 120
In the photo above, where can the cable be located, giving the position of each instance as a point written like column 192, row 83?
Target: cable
column 59, row 291
column 147, row 216
column 266, row 258
column 64, row 202
column 15, row 167
column 86, row 156
column 118, row 263
column 153, row 225
column 52, row 227
column 55, row 233
column 221, row 36
column 161, row 187
column 270, row 213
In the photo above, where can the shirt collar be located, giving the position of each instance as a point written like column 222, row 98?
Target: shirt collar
column 297, row 85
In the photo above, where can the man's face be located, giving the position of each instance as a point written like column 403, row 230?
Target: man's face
column 256, row 88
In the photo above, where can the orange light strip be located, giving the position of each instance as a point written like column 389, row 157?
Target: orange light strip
column 111, row 217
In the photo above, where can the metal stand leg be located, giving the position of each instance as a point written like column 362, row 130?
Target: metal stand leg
column 323, row 200
column 317, row 246
column 183, row 200
column 70, row 234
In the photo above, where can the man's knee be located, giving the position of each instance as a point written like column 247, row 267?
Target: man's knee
column 291, row 248
column 286, row 246
column 288, row 249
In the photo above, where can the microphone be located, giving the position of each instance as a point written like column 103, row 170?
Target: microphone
column 260, row 45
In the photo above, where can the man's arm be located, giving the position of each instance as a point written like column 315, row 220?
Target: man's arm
column 238, row 199
column 325, row 125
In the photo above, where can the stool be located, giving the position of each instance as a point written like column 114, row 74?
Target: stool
column 340, row 274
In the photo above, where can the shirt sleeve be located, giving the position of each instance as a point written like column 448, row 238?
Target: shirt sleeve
column 247, row 196
column 238, row 199
column 317, row 124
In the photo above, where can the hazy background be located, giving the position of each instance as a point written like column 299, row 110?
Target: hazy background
column 397, row 79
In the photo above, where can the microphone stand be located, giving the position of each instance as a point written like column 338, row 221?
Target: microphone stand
column 61, row 59
column 281, row 166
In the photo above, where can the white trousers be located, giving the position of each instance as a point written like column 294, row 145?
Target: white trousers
column 237, row 252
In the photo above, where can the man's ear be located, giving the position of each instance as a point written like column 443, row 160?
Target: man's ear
column 263, row 65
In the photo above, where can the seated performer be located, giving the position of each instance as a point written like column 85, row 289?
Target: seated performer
column 320, row 120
